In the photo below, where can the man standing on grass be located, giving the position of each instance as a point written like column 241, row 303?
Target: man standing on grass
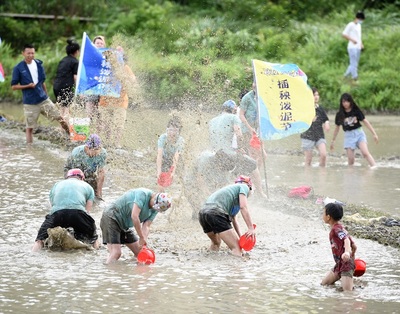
column 352, row 33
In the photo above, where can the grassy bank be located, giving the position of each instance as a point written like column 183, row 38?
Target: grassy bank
column 191, row 57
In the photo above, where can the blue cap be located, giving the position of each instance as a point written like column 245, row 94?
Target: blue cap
column 229, row 104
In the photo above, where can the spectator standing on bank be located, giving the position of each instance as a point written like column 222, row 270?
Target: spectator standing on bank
column 352, row 33
column 65, row 79
column 29, row 77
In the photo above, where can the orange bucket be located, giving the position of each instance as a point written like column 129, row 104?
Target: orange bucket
column 146, row 256
column 247, row 244
column 360, row 268
column 255, row 141
column 165, row 178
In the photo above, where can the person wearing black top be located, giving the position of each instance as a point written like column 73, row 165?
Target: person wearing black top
column 350, row 117
column 65, row 79
column 314, row 136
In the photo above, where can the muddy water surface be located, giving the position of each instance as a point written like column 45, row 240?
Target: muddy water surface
column 282, row 274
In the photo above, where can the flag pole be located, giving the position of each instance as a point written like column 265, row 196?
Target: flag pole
column 78, row 76
column 259, row 135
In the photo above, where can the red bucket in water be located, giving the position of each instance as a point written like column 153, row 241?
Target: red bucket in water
column 361, row 267
column 247, row 244
column 146, row 256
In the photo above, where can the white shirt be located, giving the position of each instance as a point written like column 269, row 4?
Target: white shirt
column 353, row 30
column 34, row 71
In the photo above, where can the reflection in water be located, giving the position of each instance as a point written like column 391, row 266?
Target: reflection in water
column 282, row 275
column 376, row 188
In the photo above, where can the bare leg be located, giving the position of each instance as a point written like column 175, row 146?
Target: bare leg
column 96, row 244
column 308, row 157
column 100, row 183
column 232, row 241
column 215, row 241
column 256, row 177
column 350, row 156
column 330, row 278
column 322, row 154
column 134, row 247
column 347, row 283
column 64, row 124
column 364, row 150
column 64, row 112
column 114, row 253
column 39, row 244
column 29, row 135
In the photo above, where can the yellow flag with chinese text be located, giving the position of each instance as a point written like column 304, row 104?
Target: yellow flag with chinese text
column 285, row 101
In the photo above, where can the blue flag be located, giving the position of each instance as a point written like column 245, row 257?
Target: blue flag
column 94, row 72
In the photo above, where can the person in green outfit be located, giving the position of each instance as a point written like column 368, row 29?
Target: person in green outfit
column 220, row 211
column 135, row 209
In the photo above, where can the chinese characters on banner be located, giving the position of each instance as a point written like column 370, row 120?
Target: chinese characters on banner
column 285, row 101
column 94, row 72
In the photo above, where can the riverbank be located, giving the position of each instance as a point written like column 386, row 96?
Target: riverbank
column 361, row 221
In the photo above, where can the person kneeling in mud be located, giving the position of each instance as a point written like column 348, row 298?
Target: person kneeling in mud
column 136, row 208
column 91, row 159
column 71, row 201
column 220, row 211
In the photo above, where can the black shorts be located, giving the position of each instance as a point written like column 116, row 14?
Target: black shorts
column 113, row 234
column 214, row 219
column 83, row 224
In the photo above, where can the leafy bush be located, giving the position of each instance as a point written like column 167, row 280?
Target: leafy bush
column 201, row 51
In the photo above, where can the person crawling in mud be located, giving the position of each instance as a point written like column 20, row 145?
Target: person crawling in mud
column 91, row 159
column 71, row 201
column 220, row 212
column 135, row 210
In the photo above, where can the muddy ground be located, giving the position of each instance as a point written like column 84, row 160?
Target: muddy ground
column 360, row 221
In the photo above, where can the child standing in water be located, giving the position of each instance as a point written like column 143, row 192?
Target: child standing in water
column 314, row 136
column 343, row 248
column 349, row 117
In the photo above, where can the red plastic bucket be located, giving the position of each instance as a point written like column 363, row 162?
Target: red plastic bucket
column 245, row 243
column 255, row 141
column 146, row 256
column 360, row 268
column 165, row 178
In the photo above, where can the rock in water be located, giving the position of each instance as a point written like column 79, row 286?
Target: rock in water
column 60, row 238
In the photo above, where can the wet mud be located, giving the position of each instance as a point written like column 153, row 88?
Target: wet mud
column 361, row 221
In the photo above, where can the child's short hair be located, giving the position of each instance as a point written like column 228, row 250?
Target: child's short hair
column 175, row 122
column 334, row 210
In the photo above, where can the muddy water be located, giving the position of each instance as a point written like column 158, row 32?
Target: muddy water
column 282, row 274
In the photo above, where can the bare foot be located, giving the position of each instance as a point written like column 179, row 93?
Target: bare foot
column 214, row 248
column 96, row 245
column 37, row 246
column 237, row 253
